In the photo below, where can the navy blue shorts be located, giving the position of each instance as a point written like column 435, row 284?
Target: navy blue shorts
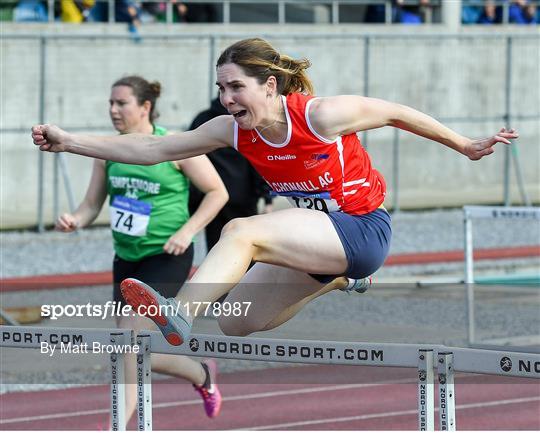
column 366, row 240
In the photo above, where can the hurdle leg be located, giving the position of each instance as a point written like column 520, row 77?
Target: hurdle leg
column 447, row 399
column 425, row 390
column 469, row 277
column 144, row 384
column 118, row 385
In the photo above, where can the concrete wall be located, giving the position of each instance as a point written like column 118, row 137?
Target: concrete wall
column 460, row 78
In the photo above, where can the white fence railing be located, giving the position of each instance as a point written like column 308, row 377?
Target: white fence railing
column 280, row 8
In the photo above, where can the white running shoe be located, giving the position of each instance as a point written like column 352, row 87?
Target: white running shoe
column 358, row 285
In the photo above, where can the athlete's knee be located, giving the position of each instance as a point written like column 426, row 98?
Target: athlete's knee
column 235, row 226
column 240, row 230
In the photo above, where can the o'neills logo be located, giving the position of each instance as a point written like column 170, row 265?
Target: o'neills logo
column 280, row 157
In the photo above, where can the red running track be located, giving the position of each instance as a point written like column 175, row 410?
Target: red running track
column 48, row 282
column 290, row 398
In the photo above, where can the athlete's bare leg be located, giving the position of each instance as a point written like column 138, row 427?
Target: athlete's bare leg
column 298, row 239
column 276, row 295
column 292, row 310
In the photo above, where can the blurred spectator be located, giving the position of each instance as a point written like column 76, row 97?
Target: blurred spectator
column 491, row 14
column 522, row 12
column 244, row 185
column 470, row 13
column 125, row 11
column 195, row 12
column 75, row 11
column 30, row 11
column 519, row 12
column 406, row 14
column 151, row 12
column 99, row 13
column 375, row 13
column 401, row 13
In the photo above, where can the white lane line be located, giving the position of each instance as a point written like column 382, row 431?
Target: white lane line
column 386, row 414
column 233, row 398
column 54, row 416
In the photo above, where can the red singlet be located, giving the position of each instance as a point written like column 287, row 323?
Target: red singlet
column 311, row 171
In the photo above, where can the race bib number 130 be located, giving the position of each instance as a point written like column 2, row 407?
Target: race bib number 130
column 129, row 216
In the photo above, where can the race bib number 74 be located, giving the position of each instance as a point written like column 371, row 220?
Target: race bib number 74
column 129, row 216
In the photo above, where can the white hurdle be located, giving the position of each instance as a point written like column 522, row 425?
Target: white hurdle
column 29, row 337
column 449, row 360
column 471, row 213
column 422, row 357
column 292, row 351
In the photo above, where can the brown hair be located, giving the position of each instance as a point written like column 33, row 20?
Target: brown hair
column 259, row 59
column 143, row 90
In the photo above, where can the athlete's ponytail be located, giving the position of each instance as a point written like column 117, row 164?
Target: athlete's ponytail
column 259, row 59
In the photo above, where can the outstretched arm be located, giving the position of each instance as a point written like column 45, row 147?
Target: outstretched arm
column 138, row 148
column 90, row 207
column 341, row 115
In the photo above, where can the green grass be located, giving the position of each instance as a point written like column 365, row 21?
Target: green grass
column 516, row 279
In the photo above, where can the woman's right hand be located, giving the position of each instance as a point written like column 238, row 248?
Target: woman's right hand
column 67, row 223
column 50, row 138
column 477, row 149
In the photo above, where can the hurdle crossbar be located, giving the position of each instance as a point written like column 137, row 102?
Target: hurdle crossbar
column 293, row 351
column 502, row 212
column 496, row 362
column 32, row 337
column 345, row 353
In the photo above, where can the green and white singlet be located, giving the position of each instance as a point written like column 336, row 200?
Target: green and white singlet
column 147, row 204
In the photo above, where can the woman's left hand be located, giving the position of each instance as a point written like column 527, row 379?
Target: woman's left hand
column 178, row 243
column 477, row 149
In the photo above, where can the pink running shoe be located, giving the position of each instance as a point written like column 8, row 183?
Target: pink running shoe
column 210, row 394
